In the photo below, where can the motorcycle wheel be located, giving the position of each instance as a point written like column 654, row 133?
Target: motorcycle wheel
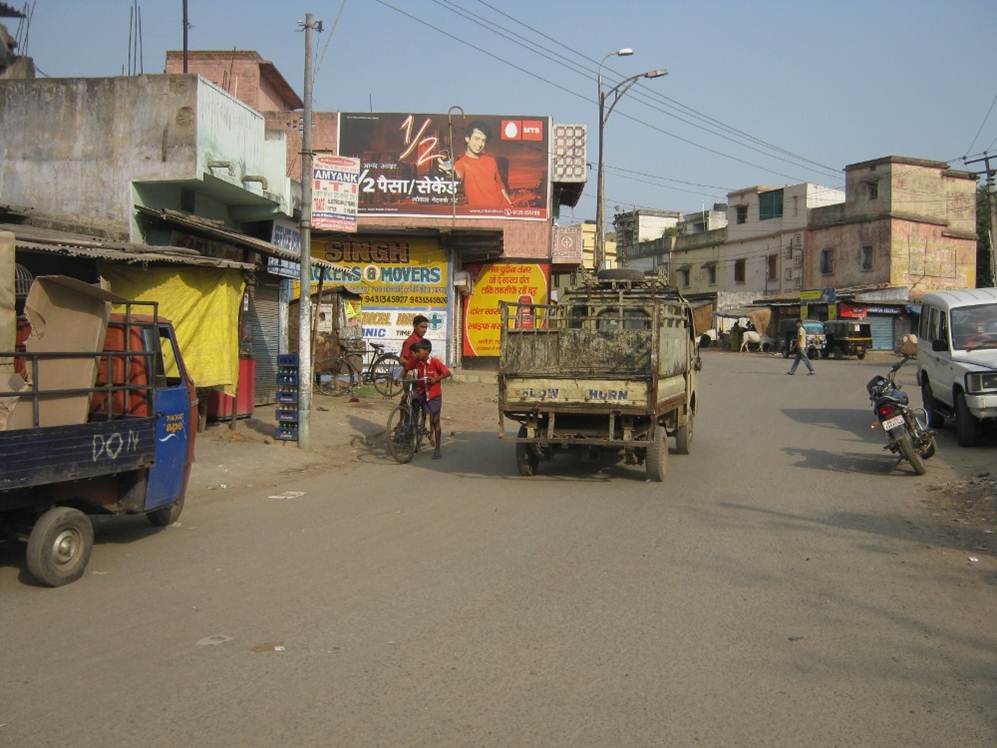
column 910, row 454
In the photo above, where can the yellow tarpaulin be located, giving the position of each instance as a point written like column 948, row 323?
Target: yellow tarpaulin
column 203, row 305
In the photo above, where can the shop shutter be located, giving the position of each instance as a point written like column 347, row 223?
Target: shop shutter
column 264, row 331
column 881, row 326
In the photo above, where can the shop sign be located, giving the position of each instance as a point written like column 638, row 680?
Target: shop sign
column 391, row 327
column 335, row 181
column 847, row 311
column 286, row 236
column 566, row 248
column 820, row 295
column 882, row 309
column 497, row 167
column 526, row 283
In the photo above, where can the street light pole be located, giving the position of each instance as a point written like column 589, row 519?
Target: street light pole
column 616, row 92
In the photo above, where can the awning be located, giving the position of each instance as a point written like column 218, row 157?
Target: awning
column 51, row 241
column 215, row 230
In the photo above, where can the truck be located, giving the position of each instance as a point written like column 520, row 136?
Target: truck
column 611, row 367
column 957, row 360
column 117, row 441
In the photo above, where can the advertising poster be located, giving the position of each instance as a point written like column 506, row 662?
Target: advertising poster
column 398, row 278
column 516, row 282
column 334, row 192
column 498, row 167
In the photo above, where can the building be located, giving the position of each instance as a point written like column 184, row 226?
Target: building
column 636, row 232
column 13, row 64
column 166, row 160
column 465, row 260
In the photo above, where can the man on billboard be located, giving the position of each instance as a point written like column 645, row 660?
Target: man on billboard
column 479, row 172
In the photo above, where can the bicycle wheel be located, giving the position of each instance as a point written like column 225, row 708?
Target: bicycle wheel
column 343, row 377
column 401, row 435
column 386, row 372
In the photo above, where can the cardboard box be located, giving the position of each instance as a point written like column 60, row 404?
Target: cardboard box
column 66, row 315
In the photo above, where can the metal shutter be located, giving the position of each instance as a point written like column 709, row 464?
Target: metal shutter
column 264, row 330
column 882, row 332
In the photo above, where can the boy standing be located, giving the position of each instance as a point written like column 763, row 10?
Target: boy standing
column 433, row 371
column 420, row 324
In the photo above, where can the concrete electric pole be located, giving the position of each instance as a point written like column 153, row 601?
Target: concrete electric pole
column 305, row 375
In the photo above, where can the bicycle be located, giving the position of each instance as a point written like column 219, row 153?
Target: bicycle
column 384, row 372
column 407, row 424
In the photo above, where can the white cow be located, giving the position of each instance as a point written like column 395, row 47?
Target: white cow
column 750, row 338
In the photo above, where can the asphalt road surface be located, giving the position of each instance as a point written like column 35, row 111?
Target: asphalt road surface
column 785, row 585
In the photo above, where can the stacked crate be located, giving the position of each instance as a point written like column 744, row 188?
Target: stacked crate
column 287, row 397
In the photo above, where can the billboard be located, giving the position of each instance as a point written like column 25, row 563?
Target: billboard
column 494, row 282
column 499, row 166
column 334, row 192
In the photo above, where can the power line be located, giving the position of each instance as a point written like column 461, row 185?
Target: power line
column 588, row 72
column 571, row 92
column 984, row 122
column 328, row 39
column 663, row 97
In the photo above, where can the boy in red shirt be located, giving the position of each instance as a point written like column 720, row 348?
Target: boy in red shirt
column 431, row 392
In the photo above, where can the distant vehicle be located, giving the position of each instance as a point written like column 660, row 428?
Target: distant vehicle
column 957, row 359
column 847, row 337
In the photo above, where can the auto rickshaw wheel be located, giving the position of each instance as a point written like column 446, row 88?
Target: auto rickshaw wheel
column 861, row 353
column 59, row 546
column 167, row 515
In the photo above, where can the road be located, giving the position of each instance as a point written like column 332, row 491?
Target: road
column 785, row 586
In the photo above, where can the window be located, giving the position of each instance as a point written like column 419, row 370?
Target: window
column 866, row 258
column 827, row 261
column 739, row 271
column 742, row 213
column 770, row 205
column 773, row 267
column 684, row 277
column 796, row 205
column 872, row 190
column 711, row 274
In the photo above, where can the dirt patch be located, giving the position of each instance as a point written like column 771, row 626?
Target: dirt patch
column 970, row 506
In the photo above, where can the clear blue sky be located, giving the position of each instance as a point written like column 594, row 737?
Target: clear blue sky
column 835, row 82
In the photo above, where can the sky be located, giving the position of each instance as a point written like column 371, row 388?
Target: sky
column 770, row 92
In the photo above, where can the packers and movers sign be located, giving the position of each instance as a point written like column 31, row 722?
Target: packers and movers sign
column 525, row 283
column 474, row 166
column 398, row 278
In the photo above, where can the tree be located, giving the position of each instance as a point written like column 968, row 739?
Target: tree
column 984, row 273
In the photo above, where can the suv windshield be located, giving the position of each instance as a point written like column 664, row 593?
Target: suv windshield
column 974, row 327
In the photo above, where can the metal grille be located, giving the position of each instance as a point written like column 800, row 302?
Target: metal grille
column 22, row 281
column 264, row 331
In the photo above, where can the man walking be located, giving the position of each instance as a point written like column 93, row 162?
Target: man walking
column 801, row 349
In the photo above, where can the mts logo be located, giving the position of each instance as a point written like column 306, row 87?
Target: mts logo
column 522, row 129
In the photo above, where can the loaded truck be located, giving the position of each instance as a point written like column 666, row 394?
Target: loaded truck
column 611, row 367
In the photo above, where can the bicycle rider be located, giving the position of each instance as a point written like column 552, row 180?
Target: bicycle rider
column 432, row 371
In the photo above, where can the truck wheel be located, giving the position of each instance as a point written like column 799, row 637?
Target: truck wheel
column 656, row 460
column 59, row 546
column 935, row 419
column 527, row 460
column 967, row 429
column 683, row 436
column 167, row 515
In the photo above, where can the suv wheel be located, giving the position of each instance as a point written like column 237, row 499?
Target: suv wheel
column 935, row 418
column 967, row 428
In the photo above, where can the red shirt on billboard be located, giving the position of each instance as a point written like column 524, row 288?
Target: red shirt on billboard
column 479, row 172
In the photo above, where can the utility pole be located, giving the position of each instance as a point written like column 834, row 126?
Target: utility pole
column 186, row 25
column 305, row 376
column 991, row 207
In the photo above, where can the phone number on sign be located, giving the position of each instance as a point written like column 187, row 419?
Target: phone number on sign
column 395, row 299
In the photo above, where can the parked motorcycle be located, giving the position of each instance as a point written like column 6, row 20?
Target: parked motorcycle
column 906, row 427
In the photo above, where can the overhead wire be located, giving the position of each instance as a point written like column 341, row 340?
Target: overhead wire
column 982, row 124
column 658, row 95
column 583, row 97
column 588, row 72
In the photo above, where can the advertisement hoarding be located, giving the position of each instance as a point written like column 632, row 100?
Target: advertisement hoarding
column 494, row 282
column 334, row 192
column 498, row 167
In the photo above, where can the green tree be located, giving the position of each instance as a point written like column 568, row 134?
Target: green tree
column 984, row 275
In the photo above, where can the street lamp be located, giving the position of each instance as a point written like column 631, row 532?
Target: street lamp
column 616, row 92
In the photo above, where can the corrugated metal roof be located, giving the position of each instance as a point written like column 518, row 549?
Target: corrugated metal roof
column 50, row 241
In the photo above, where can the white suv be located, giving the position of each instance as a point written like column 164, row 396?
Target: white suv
column 957, row 359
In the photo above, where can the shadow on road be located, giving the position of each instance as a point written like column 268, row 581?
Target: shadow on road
column 853, row 421
column 847, row 462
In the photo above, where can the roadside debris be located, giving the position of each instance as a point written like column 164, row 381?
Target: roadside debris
column 213, row 641
column 287, row 495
